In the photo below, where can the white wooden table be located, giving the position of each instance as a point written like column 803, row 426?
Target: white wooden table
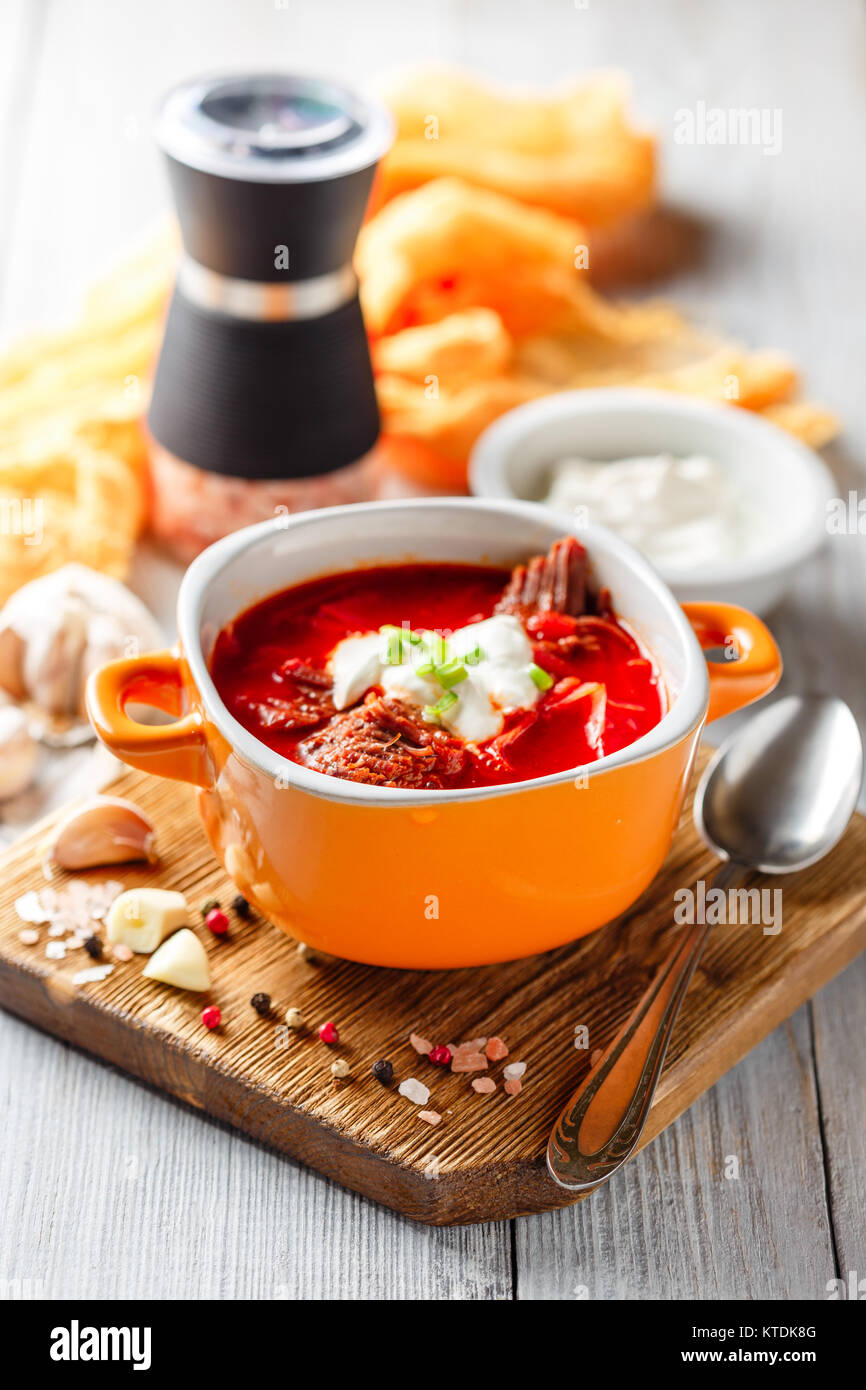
column 111, row 1190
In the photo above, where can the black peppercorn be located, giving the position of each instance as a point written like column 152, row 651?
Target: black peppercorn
column 383, row 1071
column 262, row 1004
column 93, row 947
column 241, row 906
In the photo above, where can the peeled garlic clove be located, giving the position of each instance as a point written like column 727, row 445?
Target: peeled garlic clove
column 18, row 752
column 102, row 830
column 143, row 917
column 181, row 961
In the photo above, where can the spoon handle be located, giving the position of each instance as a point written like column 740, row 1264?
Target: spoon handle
column 601, row 1125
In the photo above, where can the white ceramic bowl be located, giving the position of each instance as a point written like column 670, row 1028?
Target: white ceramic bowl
column 791, row 486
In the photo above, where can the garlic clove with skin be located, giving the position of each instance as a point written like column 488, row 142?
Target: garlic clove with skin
column 101, row 830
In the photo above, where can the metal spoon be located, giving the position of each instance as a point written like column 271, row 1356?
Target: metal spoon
column 776, row 797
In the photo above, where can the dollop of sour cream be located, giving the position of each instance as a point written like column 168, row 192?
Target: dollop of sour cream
column 498, row 675
column 680, row 512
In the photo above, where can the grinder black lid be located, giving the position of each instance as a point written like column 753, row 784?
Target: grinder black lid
column 271, row 160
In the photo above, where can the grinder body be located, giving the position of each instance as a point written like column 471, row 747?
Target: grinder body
column 264, row 379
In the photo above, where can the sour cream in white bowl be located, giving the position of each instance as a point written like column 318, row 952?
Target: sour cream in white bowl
column 726, row 505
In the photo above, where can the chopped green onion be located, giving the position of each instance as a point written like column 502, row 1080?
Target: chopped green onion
column 543, row 679
column 475, row 656
column 433, row 713
column 426, row 669
column 452, row 673
column 399, row 639
column 437, row 647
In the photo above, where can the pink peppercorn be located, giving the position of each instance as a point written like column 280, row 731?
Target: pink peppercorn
column 217, row 922
column 211, row 1017
column 441, row 1055
column 328, row 1033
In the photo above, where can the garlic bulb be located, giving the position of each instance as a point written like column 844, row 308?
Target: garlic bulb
column 52, row 655
column 55, row 630
column 18, row 752
column 11, row 663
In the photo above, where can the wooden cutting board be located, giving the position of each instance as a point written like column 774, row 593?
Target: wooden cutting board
column 485, row 1161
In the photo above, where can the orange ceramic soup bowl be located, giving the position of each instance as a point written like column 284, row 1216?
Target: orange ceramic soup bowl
column 429, row 879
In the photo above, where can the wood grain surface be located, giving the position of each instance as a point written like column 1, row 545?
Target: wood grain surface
column 485, row 1160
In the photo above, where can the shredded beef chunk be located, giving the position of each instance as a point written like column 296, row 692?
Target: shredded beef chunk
column 551, row 583
column 303, row 699
column 385, row 742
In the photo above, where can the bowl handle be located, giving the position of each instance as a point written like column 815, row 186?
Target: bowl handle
column 753, row 662
column 176, row 750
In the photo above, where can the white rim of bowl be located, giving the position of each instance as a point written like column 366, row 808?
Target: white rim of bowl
column 682, row 717
column 487, row 475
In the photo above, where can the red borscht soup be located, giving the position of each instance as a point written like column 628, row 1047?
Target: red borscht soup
column 440, row 676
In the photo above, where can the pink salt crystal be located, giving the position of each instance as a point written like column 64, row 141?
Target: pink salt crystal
column 420, row 1044
column 475, row 1044
column 484, row 1085
column 468, row 1061
column 496, row 1049
column 122, row 952
column 513, row 1087
column 513, row 1070
column 430, row 1117
column 29, row 936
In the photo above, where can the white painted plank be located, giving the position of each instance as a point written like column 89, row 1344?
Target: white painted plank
column 672, row 1226
column 119, row 1192
column 20, row 36
column 837, row 1018
column 93, row 180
